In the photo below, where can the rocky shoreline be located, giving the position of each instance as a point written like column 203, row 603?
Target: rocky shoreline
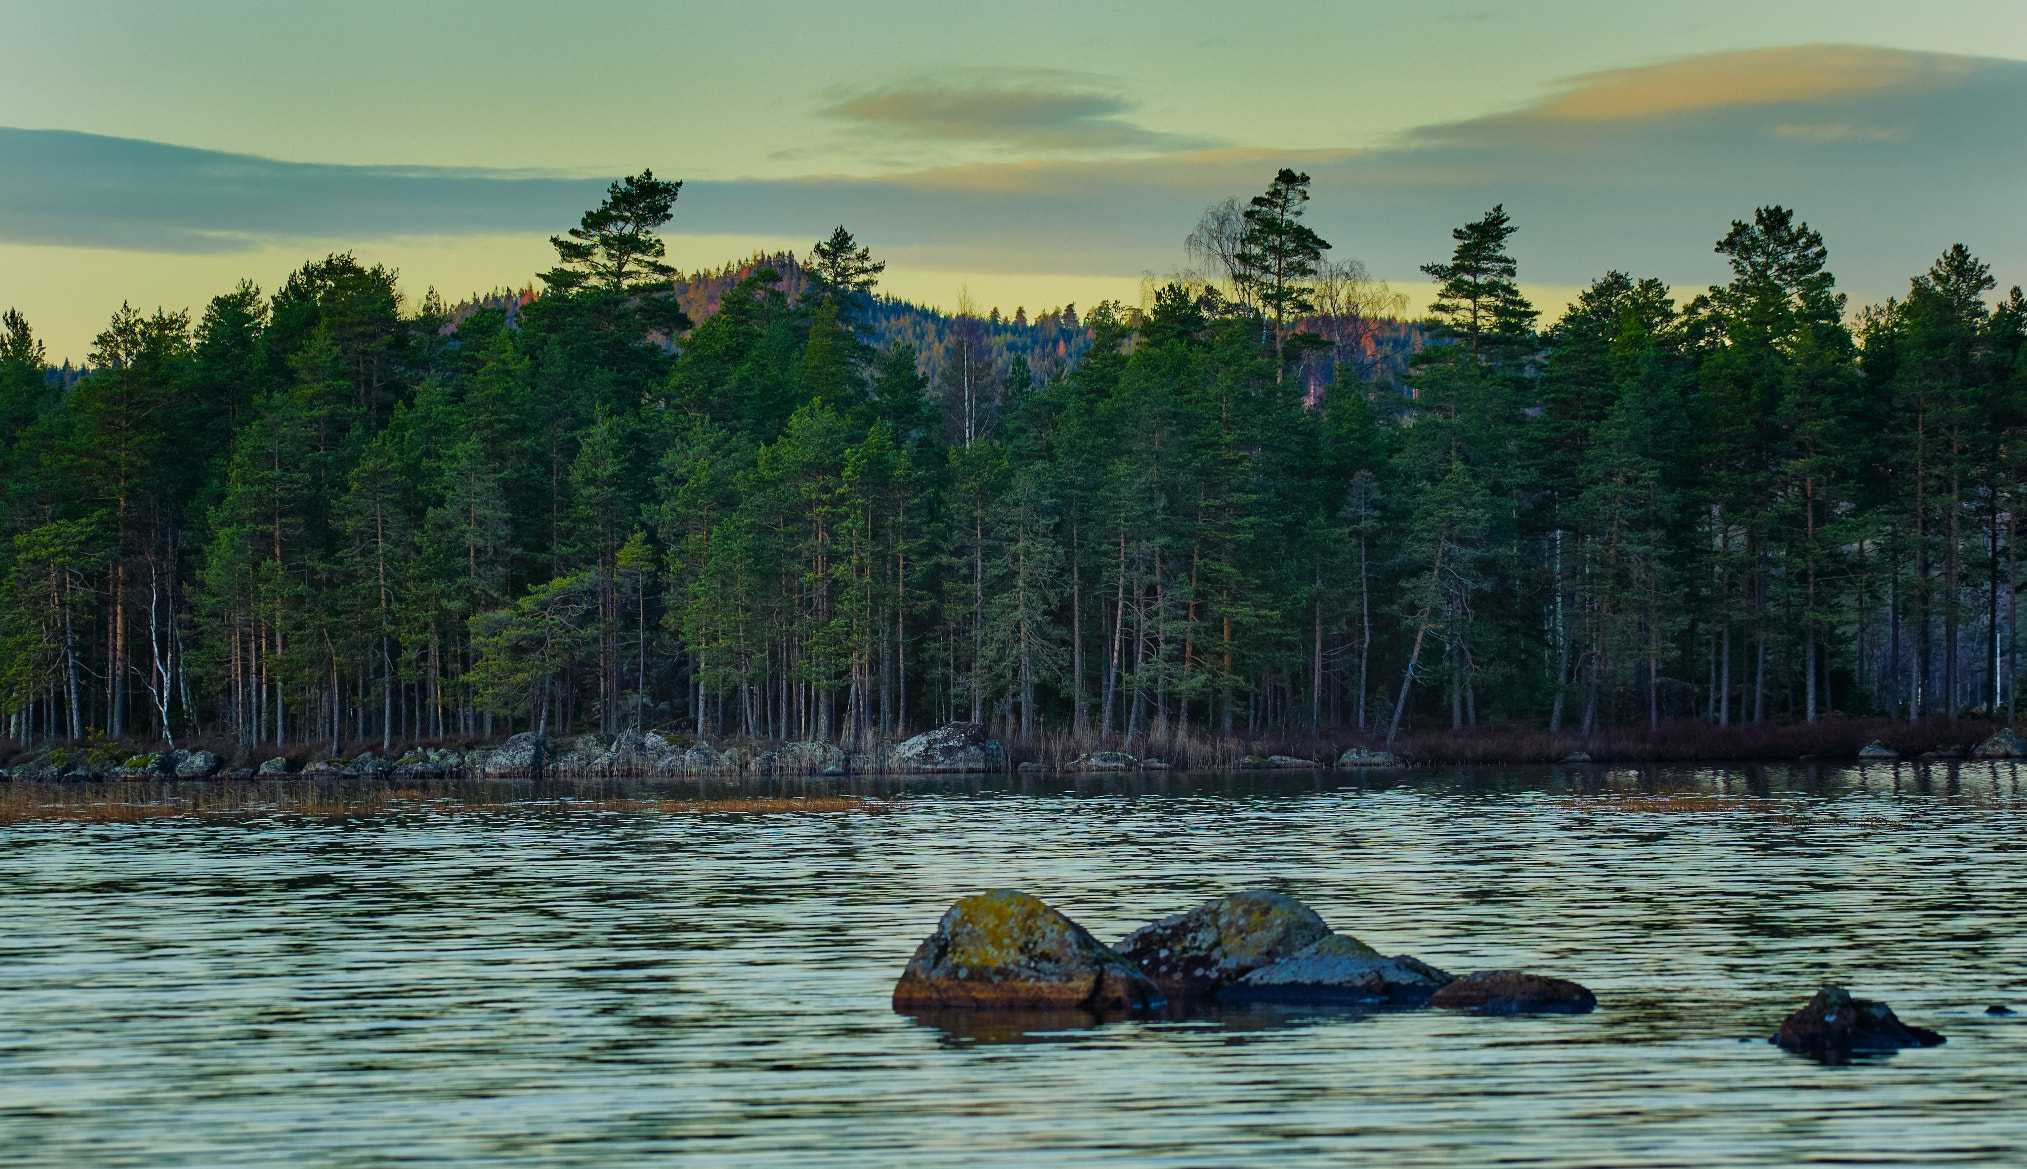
column 959, row 748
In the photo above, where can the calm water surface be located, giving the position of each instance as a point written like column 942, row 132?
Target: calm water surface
column 543, row 984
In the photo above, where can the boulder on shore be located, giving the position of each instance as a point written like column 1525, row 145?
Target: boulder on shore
column 2004, row 745
column 1198, row 953
column 1832, row 1025
column 1366, row 757
column 1272, row 762
column 1007, row 950
column 1340, row 969
column 198, row 764
column 279, row 765
column 1514, row 992
column 520, row 757
column 1877, row 750
column 959, row 747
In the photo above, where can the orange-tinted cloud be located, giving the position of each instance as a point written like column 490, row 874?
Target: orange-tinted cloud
column 1796, row 74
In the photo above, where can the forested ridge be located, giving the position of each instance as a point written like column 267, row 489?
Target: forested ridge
column 755, row 506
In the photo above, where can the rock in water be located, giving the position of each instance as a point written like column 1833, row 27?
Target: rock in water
column 2004, row 745
column 959, row 747
column 1194, row 954
column 279, row 765
column 1833, row 1025
column 1006, row 950
column 1341, row 969
column 1877, row 750
column 1514, row 992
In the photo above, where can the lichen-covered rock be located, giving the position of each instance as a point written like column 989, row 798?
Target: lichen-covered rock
column 279, row 765
column 2004, row 745
column 1007, row 950
column 1341, row 968
column 1514, row 992
column 1195, row 954
column 520, row 757
column 1832, row 1025
column 324, row 768
column 1878, row 751
column 959, row 747
column 198, row 764
column 1366, row 757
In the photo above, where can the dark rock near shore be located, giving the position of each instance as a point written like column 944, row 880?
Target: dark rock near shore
column 2004, row 745
column 1833, row 1025
column 959, row 747
column 519, row 757
column 1195, row 954
column 1877, row 752
column 1340, row 969
column 1103, row 761
column 198, row 764
column 1365, row 757
column 1998, row 1009
column 1514, row 992
column 1007, row 950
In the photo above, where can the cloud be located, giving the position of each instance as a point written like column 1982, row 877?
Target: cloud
column 61, row 187
column 1755, row 77
column 1048, row 113
column 1894, row 156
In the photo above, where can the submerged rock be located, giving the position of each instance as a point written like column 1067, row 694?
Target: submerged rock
column 959, row 747
column 1340, row 968
column 1877, row 750
column 1832, row 1025
column 1366, row 757
column 1195, row 954
column 1514, row 992
column 1007, row 950
column 2004, row 745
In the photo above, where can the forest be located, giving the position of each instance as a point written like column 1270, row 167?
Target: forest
column 772, row 504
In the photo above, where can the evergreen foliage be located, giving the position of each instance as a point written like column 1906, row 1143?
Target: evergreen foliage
column 335, row 515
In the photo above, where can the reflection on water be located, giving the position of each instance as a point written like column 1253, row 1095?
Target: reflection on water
column 617, row 974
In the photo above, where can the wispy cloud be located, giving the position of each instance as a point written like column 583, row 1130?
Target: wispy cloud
column 1755, row 77
column 1029, row 112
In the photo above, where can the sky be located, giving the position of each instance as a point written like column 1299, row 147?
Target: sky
column 1021, row 153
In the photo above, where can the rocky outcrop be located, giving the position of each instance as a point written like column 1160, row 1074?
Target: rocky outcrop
column 1341, row 969
column 1006, row 950
column 809, row 757
column 959, row 747
column 1833, row 1025
column 1198, row 953
column 279, row 765
column 1877, row 751
column 1366, row 757
column 1514, row 992
column 147, row 765
column 2004, row 745
column 1271, row 762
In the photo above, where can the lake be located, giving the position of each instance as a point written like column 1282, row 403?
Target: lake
column 523, row 975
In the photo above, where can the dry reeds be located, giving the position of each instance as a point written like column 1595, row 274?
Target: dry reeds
column 117, row 803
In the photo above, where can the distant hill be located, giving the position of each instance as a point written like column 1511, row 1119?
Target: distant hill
column 1052, row 339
